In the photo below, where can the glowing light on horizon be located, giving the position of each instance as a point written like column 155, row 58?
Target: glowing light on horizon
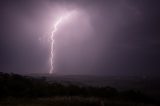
column 52, row 38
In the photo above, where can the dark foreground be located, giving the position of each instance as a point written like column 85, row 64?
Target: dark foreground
column 69, row 101
column 17, row 90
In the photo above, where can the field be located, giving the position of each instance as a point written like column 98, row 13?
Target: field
column 147, row 84
column 47, row 90
column 68, row 101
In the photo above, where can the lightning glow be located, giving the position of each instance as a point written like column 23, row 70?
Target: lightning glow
column 52, row 39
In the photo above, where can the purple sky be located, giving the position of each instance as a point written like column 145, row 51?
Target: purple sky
column 107, row 37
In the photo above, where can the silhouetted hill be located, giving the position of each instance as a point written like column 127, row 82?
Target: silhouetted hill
column 18, row 86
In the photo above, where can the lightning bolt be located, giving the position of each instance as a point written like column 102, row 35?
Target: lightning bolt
column 52, row 39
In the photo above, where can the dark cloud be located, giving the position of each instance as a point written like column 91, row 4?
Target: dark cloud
column 125, row 38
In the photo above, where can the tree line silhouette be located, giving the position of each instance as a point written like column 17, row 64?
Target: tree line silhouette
column 14, row 85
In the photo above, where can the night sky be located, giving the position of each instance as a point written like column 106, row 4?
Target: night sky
column 107, row 37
